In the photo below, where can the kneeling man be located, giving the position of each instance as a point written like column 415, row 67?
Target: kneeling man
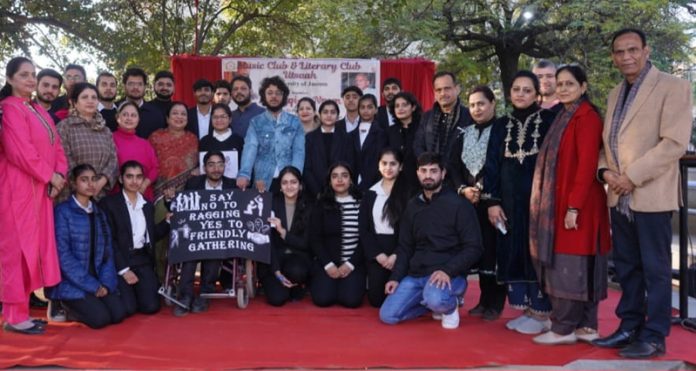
column 439, row 241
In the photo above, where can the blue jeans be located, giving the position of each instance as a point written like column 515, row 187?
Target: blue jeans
column 415, row 296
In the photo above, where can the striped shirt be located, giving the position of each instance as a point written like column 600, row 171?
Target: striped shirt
column 349, row 224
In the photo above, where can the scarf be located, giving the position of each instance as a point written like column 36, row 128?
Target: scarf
column 616, row 121
column 97, row 123
column 439, row 141
column 542, row 202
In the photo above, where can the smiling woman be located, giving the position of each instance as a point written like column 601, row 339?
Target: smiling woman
column 87, row 140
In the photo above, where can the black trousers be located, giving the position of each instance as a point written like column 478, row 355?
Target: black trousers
column 209, row 274
column 377, row 276
column 141, row 297
column 643, row 262
column 97, row 312
column 295, row 268
column 492, row 294
column 348, row 291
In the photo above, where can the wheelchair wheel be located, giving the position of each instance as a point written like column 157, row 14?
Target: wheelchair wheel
column 249, row 279
column 242, row 298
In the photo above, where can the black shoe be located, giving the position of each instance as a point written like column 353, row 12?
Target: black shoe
column 33, row 330
column 199, row 305
column 491, row 314
column 35, row 302
column 477, row 311
column 618, row 339
column 40, row 322
column 641, row 349
column 179, row 311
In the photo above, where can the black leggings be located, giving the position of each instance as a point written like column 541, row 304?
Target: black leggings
column 295, row 268
column 97, row 312
column 347, row 292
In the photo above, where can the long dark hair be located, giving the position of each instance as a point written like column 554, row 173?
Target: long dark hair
column 298, row 220
column 396, row 203
column 10, row 70
column 411, row 99
column 79, row 169
column 327, row 198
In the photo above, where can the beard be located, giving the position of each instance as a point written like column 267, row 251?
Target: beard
column 242, row 102
column 40, row 98
column 161, row 96
column 275, row 109
column 431, row 186
column 106, row 99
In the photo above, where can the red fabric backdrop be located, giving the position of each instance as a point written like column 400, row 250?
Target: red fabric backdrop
column 415, row 75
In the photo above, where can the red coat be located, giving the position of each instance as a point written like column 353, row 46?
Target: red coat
column 577, row 186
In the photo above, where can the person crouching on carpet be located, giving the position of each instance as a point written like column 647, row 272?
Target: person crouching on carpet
column 88, row 290
column 434, row 253
column 338, row 273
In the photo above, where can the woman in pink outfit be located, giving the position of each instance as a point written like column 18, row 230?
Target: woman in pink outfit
column 33, row 167
column 131, row 147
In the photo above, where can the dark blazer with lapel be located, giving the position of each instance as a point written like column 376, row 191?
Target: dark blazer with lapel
column 198, row 182
column 383, row 117
column 116, row 211
column 367, row 157
column 326, row 237
column 317, row 165
column 192, row 123
column 297, row 238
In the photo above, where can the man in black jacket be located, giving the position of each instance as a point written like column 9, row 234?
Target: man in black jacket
column 214, row 162
column 439, row 240
column 132, row 222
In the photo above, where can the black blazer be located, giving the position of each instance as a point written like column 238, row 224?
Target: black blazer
column 367, row 157
column 192, row 123
column 198, row 182
column 368, row 237
column 383, row 117
column 116, row 210
column 317, row 165
column 427, row 131
column 297, row 238
column 326, row 236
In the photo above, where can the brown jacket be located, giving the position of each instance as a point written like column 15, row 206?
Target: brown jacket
column 652, row 138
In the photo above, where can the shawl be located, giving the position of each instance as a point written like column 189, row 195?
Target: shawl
column 440, row 139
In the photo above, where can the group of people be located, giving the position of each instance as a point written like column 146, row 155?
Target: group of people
column 388, row 201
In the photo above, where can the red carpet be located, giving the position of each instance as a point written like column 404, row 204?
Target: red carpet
column 301, row 335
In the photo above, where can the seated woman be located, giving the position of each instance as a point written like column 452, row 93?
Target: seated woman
column 338, row 273
column 132, row 222
column 380, row 211
column 89, row 286
column 290, row 255
column 130, row 146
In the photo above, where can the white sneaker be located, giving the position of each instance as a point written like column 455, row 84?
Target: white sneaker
column 437, row 316
column 55, row 312
column 534, row 326
column 514, row 323
column 451, row 321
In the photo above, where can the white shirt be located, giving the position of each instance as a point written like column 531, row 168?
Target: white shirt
column 352, row 125
column 101, row 107
column 213, row 188
column 382, row 226
column 88, row 209
column 364, row 130
column 222, row 137
column 137, row 221
column 390, row 118
column 203, row 123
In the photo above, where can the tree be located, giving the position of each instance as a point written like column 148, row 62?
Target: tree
column 567, row 31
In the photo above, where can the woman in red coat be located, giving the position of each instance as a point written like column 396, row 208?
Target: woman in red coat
column 569, row 219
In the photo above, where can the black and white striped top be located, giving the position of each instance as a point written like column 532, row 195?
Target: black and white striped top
column 349, row 224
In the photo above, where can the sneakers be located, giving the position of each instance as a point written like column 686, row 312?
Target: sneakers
column 514, row 323
column 552, row 338
column 55, row 311
column 451, row 321
column 533, row 326
column 437, row 316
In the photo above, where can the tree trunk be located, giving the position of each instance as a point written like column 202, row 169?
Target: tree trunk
column 508, row 60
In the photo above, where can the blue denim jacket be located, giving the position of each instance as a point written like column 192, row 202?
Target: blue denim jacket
column 269, row 144
column 73, row 238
